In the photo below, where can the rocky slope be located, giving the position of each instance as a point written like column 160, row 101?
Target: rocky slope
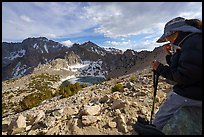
column 94, row 110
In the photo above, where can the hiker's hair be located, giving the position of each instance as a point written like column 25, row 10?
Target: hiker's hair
column 195, row 23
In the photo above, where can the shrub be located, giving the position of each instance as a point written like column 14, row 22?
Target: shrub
column 132, row 79
column 118, row 87
column 65, row 92
column 84, row 85
column 3, row 108
column 67, row 89
column 31, row 101
column 34, row 99
column 64, row 84
column 41, row 83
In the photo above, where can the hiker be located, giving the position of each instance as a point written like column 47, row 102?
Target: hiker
column 184, row 67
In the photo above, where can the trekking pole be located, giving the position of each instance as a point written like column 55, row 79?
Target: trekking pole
column 155, row 83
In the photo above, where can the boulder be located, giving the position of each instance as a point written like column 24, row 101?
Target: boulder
column 30, row 119
column 16, row 131
column 73, row 126
column 4, row 133
column 187, row 121
column 121, row 124
column 21, row 121
column 57, row 113
column 104, row 99
column 28, row 127
column 53, row 130
column 70, row 111
column 5, row 127
column 49, row 121
column 94, row 101
column 92, row 110
column 40, row 116
column 115, row 95
column 88, row 120
column 117, row 104
column 112, row 124
column 17, row 125
column 129, row 85
column 117, row 112
column 33, row 132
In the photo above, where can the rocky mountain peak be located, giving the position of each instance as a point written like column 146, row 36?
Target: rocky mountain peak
column 129, row 53
column 21, row 58
column 92, row 47
column 88, row 43
column 29, row 40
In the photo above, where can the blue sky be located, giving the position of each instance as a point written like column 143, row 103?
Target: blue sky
column 122, row 25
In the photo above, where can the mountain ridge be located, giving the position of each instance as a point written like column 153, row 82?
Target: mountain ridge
column 19, row 59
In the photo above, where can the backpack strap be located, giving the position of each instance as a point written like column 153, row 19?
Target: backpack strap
column 186, row 38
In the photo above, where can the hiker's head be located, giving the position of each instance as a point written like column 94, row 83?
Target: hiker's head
column 177, row 25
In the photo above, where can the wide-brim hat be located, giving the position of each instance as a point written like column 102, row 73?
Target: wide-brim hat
column 176, row 24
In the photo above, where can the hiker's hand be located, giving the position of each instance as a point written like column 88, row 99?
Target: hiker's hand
column 155, row 64
column 167, row 48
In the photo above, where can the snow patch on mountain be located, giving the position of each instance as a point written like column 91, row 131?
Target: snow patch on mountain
column 85, row 72
column 89, row 69
column 16, row 54
column 98, row 51
column 41, row 50
column 19, row 71
column 45, row 46
column 79, row 66
column 35, row 46
column 93, row 68
column 113, row 50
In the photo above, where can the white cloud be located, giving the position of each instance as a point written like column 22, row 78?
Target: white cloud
column 116, row 43
column 135, row 18
column 146, row 43
column 67, row 43
column 76, row 19
column 25, row 18
column 45, row 18
column 192, row 11
column 49, row 35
